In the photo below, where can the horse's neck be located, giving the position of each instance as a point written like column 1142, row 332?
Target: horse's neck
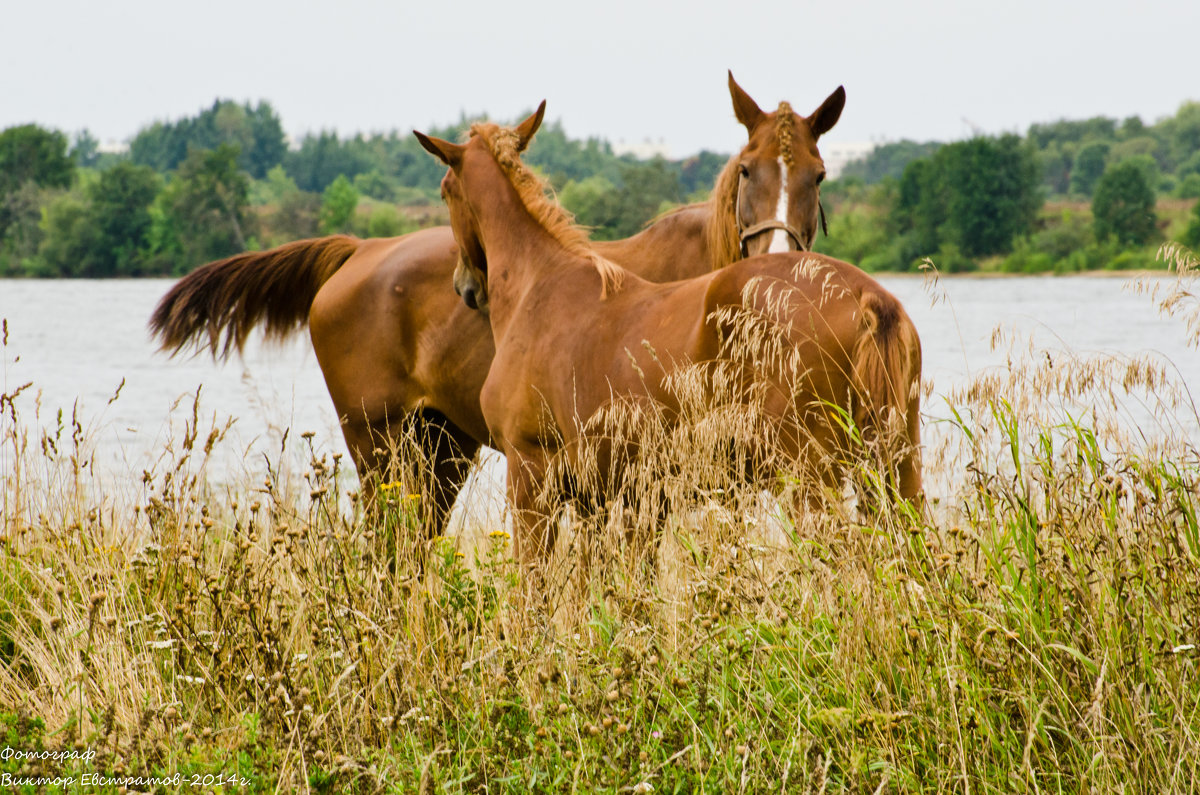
column 520, row 253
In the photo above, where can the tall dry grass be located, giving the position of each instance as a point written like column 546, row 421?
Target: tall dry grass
column 1035, row 631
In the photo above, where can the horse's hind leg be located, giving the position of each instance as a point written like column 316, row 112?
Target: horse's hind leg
column 438, row 453
column 449, row 453
column 889, row 470
column 534, row 529
column 911, row 487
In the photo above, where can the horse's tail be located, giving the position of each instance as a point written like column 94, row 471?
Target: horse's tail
column 217, row 305
column 887, row 379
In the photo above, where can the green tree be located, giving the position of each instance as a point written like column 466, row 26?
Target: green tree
column 1190, row 165
column 1123, row 207
column 293, row 212
column 271, row 188
column 1055, row 163
column 23, row 209
column 337, row 206
column 376, row 185
column 993, row 194
column 1191, row 235
column 255, row 131
column 595, row 203
column 1088, row 167
column 697, row 174
column 1074, row 131
column 323, row 158
column 120, row 208
column 562, row 160
column 920, row 210
column 85, row 149
column 70, row 238
column 31, row 155
column 270, row 144
column 385, row 221
column 1180, row 135
column 203, row 210
column 855, row 211
column 889, row 160
column 102, row 230
column 974, row 196
column 646, row 189
column 1131, row 127
column 1189, row 186
column 1147, row 147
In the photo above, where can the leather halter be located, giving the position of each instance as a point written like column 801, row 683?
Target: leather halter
column 747, row 232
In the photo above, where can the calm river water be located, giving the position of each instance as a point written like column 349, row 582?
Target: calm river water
column 79, row 341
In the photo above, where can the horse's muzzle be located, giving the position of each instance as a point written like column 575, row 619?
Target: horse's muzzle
column 469, row 297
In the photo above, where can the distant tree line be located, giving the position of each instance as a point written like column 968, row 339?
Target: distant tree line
column 225, row 180
column 1072, row 156
column 1068, row 196
column 204, row 187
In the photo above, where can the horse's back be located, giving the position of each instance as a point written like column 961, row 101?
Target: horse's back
column 672, row 248
column 786, row 283
column 383, row 262
column 823, row 317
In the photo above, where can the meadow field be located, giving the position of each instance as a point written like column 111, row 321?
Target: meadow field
column 1034, row 629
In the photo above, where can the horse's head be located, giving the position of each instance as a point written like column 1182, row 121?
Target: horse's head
column 470, row 274
column 775, row 192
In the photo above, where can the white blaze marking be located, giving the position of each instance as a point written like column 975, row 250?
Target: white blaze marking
column 779, row 238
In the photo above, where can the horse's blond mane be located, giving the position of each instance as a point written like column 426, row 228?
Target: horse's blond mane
column 505, row 146
column 785, row 133
column 723, row 238
column 722, row 231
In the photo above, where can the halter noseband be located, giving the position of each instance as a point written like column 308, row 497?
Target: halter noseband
column 747, row 232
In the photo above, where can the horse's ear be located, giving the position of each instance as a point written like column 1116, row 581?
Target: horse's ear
column 448, row 153
column 746, row 109
column 527, row 128
column 824, row 117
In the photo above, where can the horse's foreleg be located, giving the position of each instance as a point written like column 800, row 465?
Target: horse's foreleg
column 439, row 453
column 534, row 532
column 450, row 453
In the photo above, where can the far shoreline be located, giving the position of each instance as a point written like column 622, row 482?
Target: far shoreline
column 976, row 274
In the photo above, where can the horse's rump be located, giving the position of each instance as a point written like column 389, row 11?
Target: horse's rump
column 823, row 348
column 887, row 376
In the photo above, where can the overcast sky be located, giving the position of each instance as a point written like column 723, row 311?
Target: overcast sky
column 625, row 70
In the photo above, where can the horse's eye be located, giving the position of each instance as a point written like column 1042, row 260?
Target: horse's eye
column 743, row 171
column 820, row 177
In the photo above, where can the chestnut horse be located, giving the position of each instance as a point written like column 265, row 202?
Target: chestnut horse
column 400, row 351
column 567, row 322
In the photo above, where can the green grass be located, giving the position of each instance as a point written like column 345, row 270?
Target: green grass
column 1036, row 632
